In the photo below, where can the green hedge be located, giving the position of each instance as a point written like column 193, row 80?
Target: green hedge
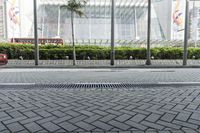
column 14, row 51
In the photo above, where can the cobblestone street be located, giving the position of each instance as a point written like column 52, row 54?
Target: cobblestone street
column 157, row 108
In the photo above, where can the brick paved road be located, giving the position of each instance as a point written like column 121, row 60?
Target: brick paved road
column 158, row 109
column 135, row 110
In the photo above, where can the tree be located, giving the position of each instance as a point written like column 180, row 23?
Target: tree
column 75, row 7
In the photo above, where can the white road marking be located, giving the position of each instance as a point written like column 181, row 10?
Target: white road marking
column 17, row 83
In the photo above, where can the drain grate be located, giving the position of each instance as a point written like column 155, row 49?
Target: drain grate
column 95, row 85
column 169, row 71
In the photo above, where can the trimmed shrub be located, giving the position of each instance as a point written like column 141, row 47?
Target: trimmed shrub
column 51, row 52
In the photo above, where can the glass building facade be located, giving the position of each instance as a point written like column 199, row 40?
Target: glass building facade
column 130, row 20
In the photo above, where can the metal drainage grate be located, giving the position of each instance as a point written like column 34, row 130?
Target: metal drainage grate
column 96, row 85
column 169, row 71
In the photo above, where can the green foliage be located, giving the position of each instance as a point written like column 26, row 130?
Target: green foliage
column 47, row 52
column 194, row 53
column 75, row 6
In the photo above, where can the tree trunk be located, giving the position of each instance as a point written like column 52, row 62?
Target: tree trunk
column 74, row 51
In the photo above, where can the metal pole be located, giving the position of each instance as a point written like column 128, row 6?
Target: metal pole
column 148, row 61
column 20, row 19
column 5, row 21
column 73, row 43
column 186, row 34
column 113, row 33
column 195, row 23
column 36, row 34
column 58, row 31
column 135, row 19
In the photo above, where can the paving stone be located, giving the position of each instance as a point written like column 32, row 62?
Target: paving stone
column 168, row 117
column 48, row 119
column 183, row 116
column 2, row 127
column 136, row 125
column 43, row 131
column 15, row 114
column 85, row 112
column 84, row 125
column 190, row 131
column 3, row 114
column 72, row 113
column 12, row 120
column 92, row 118
column 185, row 124
column 108, row 118
column 77, row 119
column 128, row 112
column 99, row 112
column 125, row 132
column 5, row 118
column 61, row 131
column 33, row 127
column 152, row 125
column 102, row 125
column 141, row 112
column 43, row 113
column 119, row 125
column 62, row 119
column 67, row 126
column 15, row 127
column 196, row 122
column 23, row 131
column 50, row 126
column 195, row 116
column 138, row 118
column 164, row 132
column 170, row 125
column 30, row 114
column 153, row 117
column 5, row 131
column 168, row 106
column 58, row 113
column 123, row 118
column 114, row 112
column 118, row 107
column 30, row 120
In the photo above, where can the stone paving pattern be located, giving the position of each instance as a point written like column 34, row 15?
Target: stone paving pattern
column 134, row 110
column 98, row 62
column 138, row 110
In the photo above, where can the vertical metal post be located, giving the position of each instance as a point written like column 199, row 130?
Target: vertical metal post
column 20, row 19
column 113, row 33
column 135, row 21
column 186, row 33
column 195, row 23
column 36, row 33
column 5, row 20
column 148, row 61
column 58, row 31
column 73, row 43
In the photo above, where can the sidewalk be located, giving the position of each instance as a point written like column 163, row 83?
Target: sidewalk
column 101, row 64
